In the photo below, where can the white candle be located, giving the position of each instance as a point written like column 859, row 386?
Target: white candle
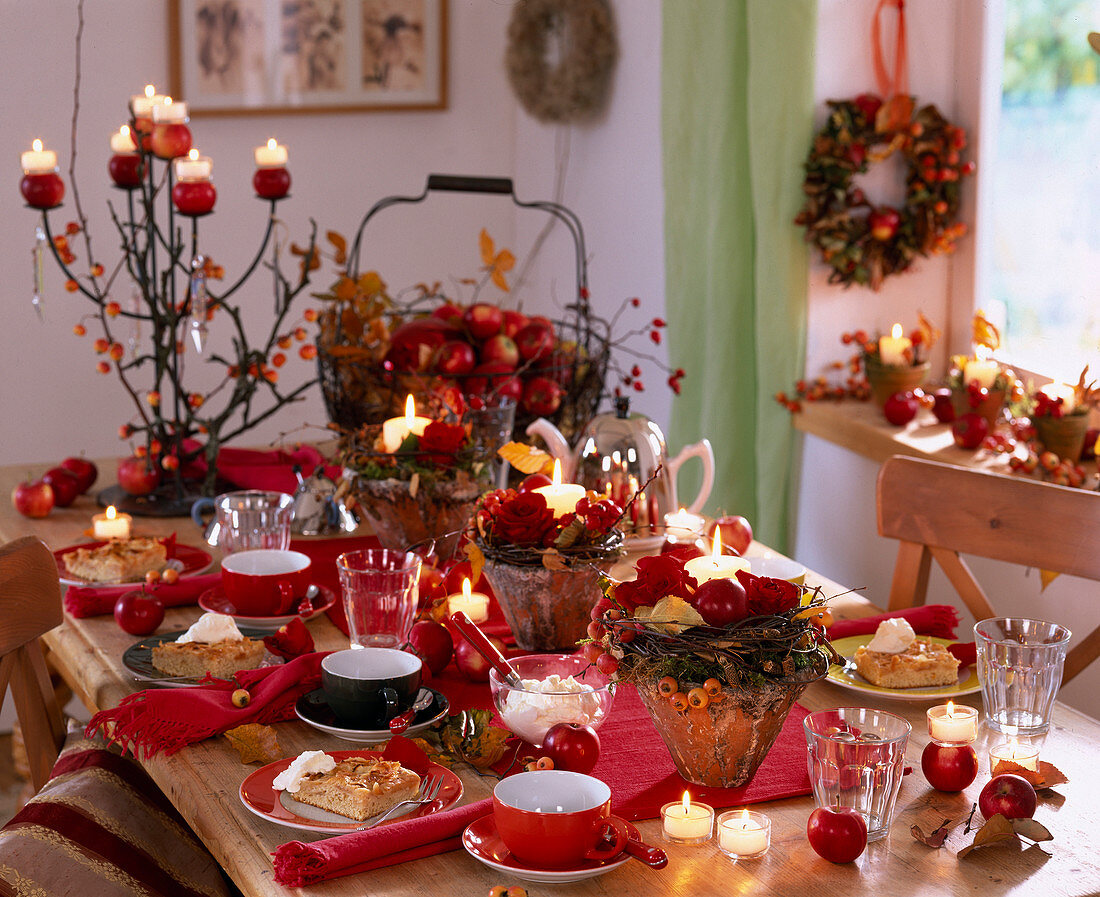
column 474, row 604
column 142, row 104
column 685, row 822
column 122, row 143
column 683, row 524
column 1025, row 755
column 111, row 525
column 744, row 834
column 169, row 112
column 193, row 167
column 272, row 155
column 981, row 368
column 949, row 724
column 396, row 429
column 717, row 565
column 892, row 348
column 37, row 160
column 561, row 497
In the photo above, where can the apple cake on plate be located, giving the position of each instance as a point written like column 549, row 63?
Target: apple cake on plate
column 923, row 664
column 359, row 787
column 120, row 560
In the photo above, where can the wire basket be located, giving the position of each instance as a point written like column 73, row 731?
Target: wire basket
column 359, row 388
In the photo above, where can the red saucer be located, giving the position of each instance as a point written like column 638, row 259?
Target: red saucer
column 215, row 601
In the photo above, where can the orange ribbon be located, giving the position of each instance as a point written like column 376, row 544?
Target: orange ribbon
column 898, row 84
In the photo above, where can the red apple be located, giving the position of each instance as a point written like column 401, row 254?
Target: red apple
column 414, row 342
column 450, row 313
column 499, row 349
column 137, row 476
column 430, row 585
column 1011, row 796
column 685, row 550
column 942, row 406
column 536, row 340
column 736, row 532
column 901, row 408
column 432, row 643
column 83, row 469
column 33, row 499
column 542, row 396
column 454, row 358
column 949, row 767
column 483, row 320
column 884, row 223
column 720, row 602
column 514, row 322
column 470, row 663
column 65, row 485
column 496, row 378
column 534, row 481
column 970, row 430
column 572, row 747
column 138, row 612
column 837, row 834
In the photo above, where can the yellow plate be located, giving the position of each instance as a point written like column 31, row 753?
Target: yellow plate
column 847, row 677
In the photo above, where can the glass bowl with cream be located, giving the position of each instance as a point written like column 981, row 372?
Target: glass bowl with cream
column 556, row 688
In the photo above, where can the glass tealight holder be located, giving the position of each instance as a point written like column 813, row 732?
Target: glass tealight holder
column 693, row 827
column 952, row 724
column 744, row 834
column 1025, row 755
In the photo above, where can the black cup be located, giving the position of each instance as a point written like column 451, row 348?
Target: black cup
column 367, row 687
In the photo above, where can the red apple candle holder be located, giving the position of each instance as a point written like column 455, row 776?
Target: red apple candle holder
column 126, row 170
column 171, row 138
column 193, row 194
column 271, row 183
column 949, row 767
column 41, row 186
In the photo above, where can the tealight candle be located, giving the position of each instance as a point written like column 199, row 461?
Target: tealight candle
column 717, row 565
column 37, row 160
column 193, row 167
column 981, row 369
column 271, row 155
column 892, row 348
column 122, row 142
column 561, row 497
column 474, row 604
column 41, row 186
column 271, row 179
column 951, row 724
column 111, row 525
column 1025, row 755
column 744, row 835
column 396, row 429
column 141, row 104
column 686, row 822
column 683, row 524
column 169, row 111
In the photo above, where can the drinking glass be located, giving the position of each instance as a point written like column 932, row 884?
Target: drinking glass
column 246, row 520
column 1019, row 666
column 856, row 758
column 490, row 428
column 380, row 589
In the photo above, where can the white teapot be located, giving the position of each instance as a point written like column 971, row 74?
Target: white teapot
column 617, row 453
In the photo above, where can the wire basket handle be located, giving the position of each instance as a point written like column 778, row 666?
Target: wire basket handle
column 501, row 186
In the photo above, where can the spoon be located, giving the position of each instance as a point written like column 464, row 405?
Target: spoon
column 469, row 631
column 651, row 856
column 305, row 606
column 403, row 720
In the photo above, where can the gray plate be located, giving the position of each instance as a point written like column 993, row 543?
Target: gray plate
column 138, row 658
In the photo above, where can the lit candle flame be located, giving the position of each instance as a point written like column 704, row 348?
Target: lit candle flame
column 36, row 145
column 687, row 804
column 150, row 91
column 1014, row 747
column 716, row 546
column 193, row 154
column 111, row 512
column 981, row 353
column 466, row 590
column 950, row 710
column 271, row 144
column 896, row 331
column 167, row 101
column 124, row 130
column 410, row 411
column 745, row 818
column 556, row 478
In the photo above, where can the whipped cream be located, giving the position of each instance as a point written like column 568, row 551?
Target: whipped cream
column 301, row 766
column 893, row 636
column 546, row 702
column 211, row 628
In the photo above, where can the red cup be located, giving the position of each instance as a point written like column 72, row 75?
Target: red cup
column 265, row 582
column 553, row 819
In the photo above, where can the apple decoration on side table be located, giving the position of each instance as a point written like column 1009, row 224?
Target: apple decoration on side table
column 901, row 408
column 33, row 498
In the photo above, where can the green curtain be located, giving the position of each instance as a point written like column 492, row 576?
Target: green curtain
column 737, row 118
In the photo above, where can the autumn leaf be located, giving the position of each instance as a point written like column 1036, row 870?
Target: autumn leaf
column 936, row 837
column 930, row 334
column 552, row 560
column 1031, row 829
column 997, row 830
column 570, row 534
column 984, row 332
column 1045, row 777
column 496, row 263
column 1046, row 577
column 476, row 558
column 255, row 743
column 340, row 245
column 526, row 458
column 370, row 283
column 469, row 736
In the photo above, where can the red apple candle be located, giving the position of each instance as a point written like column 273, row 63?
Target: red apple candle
column 41, row 186
column 171, row 137
column 193, row 193
column 125, row 166
column 271, row 180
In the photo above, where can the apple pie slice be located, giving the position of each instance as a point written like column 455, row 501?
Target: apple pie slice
column 359, row 787
column 121, row 560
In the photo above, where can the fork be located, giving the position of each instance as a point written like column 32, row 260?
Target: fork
column 429, row 789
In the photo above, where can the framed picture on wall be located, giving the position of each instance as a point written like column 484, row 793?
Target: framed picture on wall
column 272, row 56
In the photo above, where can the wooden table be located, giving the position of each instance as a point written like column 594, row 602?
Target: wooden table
column 203, row 780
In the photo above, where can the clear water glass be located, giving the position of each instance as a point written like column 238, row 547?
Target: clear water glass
column 490, row 428
column 856, row 758
column 1020, row 665
column 380, row 590
column 248, row 519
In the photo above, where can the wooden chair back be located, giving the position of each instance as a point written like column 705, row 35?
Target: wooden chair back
column 30, row 605
column 939, row 511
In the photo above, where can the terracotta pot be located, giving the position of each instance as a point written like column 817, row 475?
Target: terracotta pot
column 437, row 511
column 723, row 744
column 1065, row 436
column 990, row 407
column 885, row 380
column 547, row 610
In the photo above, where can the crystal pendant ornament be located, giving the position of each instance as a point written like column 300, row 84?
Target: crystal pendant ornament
column 198, row 303
column 37, row 254
column 134, row 340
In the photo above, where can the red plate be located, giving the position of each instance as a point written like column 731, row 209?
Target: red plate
column 258, row 795
column 191, row 561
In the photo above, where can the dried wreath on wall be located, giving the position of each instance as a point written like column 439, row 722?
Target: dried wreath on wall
column 576, row 85
column 864, row 243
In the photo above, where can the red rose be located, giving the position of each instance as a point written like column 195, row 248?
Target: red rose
column 525, row 519
column 441, row 442
column 658, row 576
column 767, row 595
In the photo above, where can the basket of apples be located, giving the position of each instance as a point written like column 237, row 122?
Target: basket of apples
column 718, row 663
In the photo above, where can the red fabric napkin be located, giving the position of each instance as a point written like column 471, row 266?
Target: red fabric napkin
column 937, row 620
column 167, row 719
column 89, row 601
column 297, row 864
column 272, row 470
column 966, row 653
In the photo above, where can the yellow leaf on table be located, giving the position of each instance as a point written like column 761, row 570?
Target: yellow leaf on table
column 1046, row 776
column 477, row 560
column 1046, row 577
column 526, row 458
column 255, row 743
column 997, row 830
